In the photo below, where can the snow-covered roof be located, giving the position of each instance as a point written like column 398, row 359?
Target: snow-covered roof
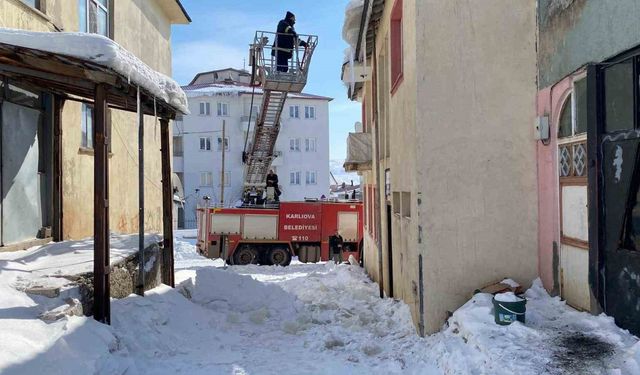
column 235, row 89
column 105, row 52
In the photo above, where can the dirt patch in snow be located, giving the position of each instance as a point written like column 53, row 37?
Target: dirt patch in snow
column 577, row 353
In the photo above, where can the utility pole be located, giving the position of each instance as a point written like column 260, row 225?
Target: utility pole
column 224, row 145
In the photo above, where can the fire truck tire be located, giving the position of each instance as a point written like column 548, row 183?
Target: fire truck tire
column 302, row 254
column 279, row 256
column 245, row 255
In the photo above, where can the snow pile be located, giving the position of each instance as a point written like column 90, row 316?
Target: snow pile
column 510, row 282
column 102, row 51
column 555, row 340
column 352, row 20
column 74, row 257
column 507, row 297
column 218, row 290
column 301, row 319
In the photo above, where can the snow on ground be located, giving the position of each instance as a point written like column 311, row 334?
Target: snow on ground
column 301, row 319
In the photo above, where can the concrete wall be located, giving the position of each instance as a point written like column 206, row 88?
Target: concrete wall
column 476, row 97
column 397, row 128
column 17, row 15
column 575, row 32
column 144, row 29
column 400, row 132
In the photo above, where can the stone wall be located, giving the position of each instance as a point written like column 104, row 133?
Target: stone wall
column 124, row 277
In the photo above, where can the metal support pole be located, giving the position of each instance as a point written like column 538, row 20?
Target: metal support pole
column 141, row 257
column 58, row 102
column 167, row 206
column 101, row 297
column 222, row 173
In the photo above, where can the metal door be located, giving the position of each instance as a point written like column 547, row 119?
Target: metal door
column 614, row 220
column 21, row 195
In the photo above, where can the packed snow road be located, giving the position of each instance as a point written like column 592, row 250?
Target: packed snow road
column 302, row 319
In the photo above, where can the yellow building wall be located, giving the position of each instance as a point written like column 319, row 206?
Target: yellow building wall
column 460, row 150
column 142, row 28
column 476, row 105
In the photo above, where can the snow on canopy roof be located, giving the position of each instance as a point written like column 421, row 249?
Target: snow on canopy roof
column 219, row 89
column 102, row 51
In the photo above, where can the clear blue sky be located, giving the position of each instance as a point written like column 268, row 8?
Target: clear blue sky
column 221, row 31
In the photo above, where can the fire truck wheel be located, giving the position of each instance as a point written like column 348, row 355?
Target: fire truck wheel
column 244, row 255
column 279, row 257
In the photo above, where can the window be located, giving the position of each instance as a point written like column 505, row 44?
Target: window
column 87, row 126
column 206, row 179
column 227, row 179
column 387, row 184
column 309, row 112
column 94, row 16
column 205, row 109
column 572, row 153
column 255, row 111
column 396, row 202
column 573, row 117
column 311, row 178
column 294, row 111
column 205, row 143
column 364, row 115
column 35, row 4
column 580, row 105
column 294, row 144
column 226, row 143
column 223, row 109
column 618, row 92
column 396, row 45
column 177, row 146
column 294, row 178
column 406, row 204
column 21, row 94
column 310, row 144
column 565, row 123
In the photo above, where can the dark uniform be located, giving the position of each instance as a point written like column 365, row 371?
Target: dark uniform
column 335, row 246
column 272, row 181
column 284, row 42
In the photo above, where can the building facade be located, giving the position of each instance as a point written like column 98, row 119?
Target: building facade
column 447, row 99
column 588, row 166
column 302, row 148
column 144, row 29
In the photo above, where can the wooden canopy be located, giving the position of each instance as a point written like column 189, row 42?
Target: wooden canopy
column 70, row 78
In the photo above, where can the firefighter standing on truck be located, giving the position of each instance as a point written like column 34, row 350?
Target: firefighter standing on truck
column 335, row 247
column 284, row 42
column 272, row 181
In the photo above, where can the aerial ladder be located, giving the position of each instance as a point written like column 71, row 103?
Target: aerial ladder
column 275, row 84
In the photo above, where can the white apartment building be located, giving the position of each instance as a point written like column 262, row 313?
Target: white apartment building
column 302, row 149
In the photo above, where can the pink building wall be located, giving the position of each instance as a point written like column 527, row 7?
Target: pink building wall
column 550, row 102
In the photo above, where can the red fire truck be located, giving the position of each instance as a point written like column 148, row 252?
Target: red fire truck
column 273, row 236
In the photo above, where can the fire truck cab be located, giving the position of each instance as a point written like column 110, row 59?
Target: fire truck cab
column 273, row 236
